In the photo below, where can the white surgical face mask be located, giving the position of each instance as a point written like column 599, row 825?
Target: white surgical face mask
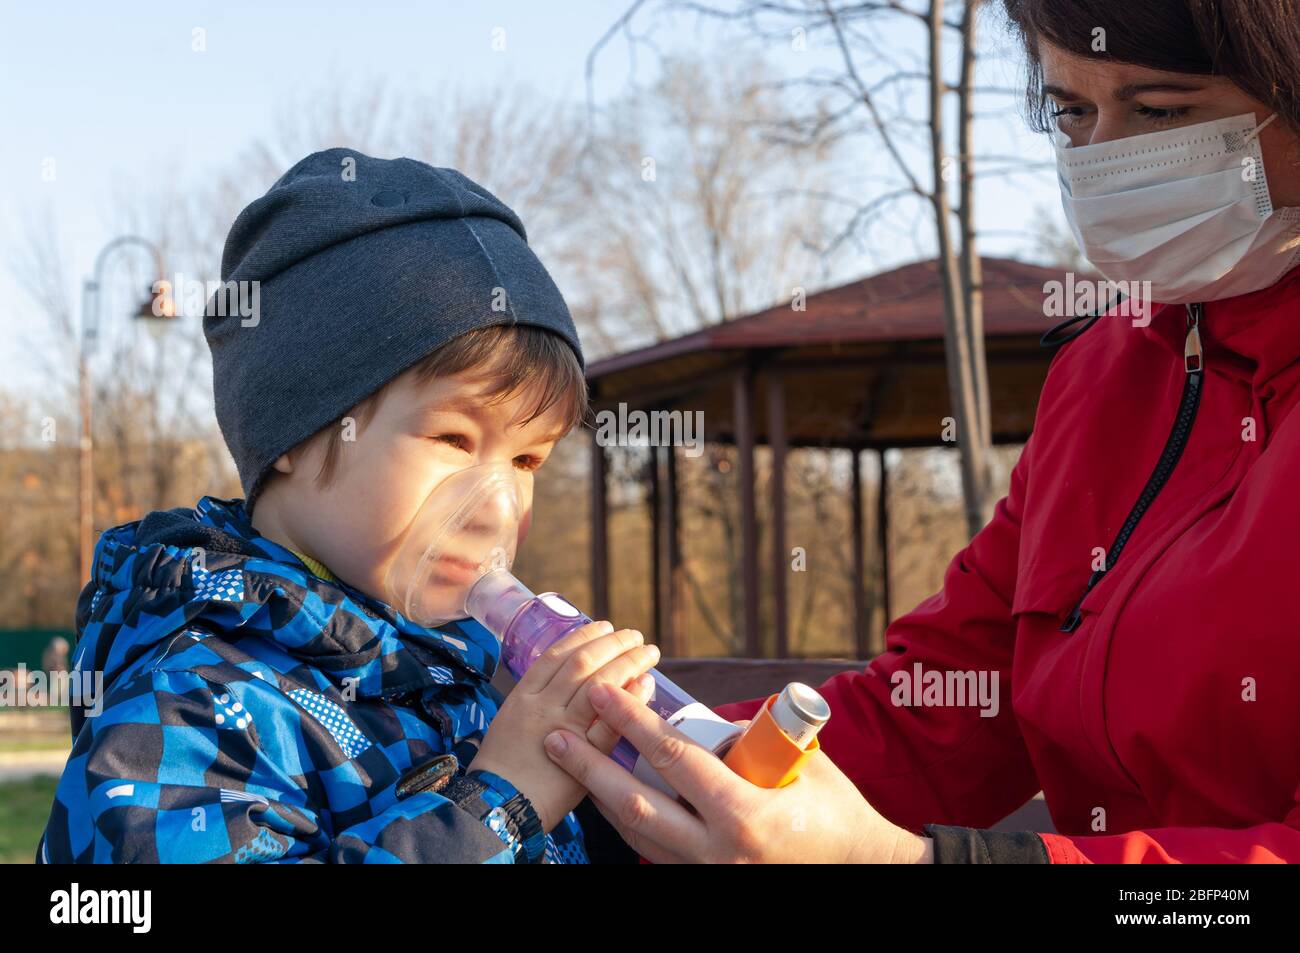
column 1185, row 209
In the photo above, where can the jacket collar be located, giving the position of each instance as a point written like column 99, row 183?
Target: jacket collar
column 346, row 633
column 1251, row 337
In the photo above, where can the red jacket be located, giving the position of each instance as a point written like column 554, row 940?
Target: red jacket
column 1166, row 727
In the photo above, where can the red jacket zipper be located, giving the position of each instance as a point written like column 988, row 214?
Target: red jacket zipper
column 1194, row 365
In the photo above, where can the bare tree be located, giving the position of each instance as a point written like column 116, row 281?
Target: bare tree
column 701, row 212
column 872, row 91
column 699, row 207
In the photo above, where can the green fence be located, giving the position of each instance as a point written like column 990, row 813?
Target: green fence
column 26, row 645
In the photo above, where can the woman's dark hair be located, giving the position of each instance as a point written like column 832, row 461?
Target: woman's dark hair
column 1253, row 43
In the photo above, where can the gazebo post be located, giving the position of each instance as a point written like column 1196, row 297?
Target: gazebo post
column 673, row 641
column 882, row 534
column 656, row 546
column 599, row 531
column 860, row 641
column 776, row 439
column 743, row 415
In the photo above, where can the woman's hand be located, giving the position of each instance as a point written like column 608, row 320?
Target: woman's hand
column 553, row 694
column 819, row 818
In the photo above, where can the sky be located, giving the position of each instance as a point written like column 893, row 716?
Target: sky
column 111, row 97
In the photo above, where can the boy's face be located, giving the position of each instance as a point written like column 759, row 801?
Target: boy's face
column 420, row 434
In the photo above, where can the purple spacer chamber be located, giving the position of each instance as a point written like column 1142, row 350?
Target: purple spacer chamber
column 528, row 624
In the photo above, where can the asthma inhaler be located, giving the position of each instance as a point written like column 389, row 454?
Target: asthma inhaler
column 528, row 624
column 781, row 737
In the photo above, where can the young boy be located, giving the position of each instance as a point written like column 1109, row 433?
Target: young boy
column 264, row 698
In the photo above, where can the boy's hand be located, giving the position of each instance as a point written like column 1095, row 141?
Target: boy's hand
column 553, row 694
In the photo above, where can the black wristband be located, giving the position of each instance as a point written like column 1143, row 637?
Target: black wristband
column 969, row 845
column 525, row 827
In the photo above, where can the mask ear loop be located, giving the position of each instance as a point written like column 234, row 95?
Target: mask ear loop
column 1258, row 129
column 1245, row 143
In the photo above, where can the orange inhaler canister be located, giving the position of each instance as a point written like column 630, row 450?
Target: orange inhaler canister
column 782, row 736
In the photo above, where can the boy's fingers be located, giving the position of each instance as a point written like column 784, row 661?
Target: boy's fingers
column 644, row 688
column 601, row 737
column 623, row 670
column 542, row 670
column 588, row 658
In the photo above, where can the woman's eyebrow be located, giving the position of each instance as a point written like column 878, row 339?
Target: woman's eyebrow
column 1060, row 92
column 1125, row 93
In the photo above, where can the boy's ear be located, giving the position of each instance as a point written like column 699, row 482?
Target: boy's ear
column 283, row 464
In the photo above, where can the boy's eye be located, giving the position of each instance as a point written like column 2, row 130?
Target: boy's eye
column 452, row 440
column 523, row 462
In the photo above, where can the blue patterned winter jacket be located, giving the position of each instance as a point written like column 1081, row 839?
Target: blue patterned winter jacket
column 255, row 712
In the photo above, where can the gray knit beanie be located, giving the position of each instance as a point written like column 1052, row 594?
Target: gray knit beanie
column 363, row 267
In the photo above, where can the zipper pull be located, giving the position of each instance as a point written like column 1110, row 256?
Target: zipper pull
column 1193, row 357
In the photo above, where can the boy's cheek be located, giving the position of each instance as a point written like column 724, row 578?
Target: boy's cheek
column 359, row 541
column 368, row 539
column 362, row 566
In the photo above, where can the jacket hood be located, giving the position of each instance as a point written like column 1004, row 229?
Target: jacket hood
column 207, row 568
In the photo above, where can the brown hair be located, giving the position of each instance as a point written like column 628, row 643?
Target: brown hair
column 511, row 357
column 1253, row 43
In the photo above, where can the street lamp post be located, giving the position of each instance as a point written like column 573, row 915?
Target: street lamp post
column 90, row 317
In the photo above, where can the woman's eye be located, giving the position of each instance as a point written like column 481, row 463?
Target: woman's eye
column 1160, row 116
column 1070, row 114
column 528, row 463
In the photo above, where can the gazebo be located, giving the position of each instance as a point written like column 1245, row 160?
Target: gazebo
column 860, row 368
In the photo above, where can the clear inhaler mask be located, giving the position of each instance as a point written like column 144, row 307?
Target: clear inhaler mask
column 466, row 527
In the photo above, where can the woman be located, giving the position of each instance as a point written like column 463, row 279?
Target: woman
column 1134, row 589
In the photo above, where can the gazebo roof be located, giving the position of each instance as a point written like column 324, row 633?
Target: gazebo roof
column 863, row 365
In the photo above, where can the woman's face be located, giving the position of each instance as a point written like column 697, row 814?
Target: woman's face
column 1097, row 101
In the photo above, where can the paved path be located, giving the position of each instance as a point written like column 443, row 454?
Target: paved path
column 21, row 765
